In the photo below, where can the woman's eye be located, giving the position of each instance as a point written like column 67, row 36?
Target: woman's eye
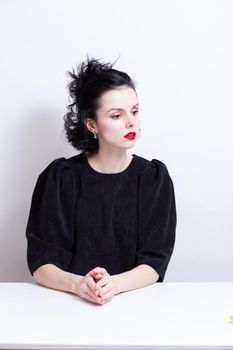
column 118, row 115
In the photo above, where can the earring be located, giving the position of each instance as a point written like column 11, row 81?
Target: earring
column 95, row 135
column 139, row 132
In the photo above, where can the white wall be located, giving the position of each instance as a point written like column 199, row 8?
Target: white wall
column 180, row 53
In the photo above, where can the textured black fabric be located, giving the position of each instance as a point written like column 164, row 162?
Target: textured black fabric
column 80, row 218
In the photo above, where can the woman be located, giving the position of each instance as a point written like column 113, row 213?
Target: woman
column 103, row 221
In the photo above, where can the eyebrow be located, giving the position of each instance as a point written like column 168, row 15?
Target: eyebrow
column 120, row 109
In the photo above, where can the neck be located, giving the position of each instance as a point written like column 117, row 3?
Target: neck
column 110, row 162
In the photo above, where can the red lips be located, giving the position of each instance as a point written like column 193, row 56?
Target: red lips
column 130, row 135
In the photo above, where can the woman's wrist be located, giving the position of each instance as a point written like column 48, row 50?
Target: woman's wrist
column 117, row 282
column 74, row 281
column 140, row 276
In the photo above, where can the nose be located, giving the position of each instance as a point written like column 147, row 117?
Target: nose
column 130, row 121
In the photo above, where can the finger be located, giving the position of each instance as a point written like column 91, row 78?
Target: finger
column 97, row 298
column 106, row 301
column 98, row 276
column 102, row 281
column 91, row 292
column 97, row 270
column 86, row 288
column 106, row 289
column 103, row 269
column 91, row 289
column 108, row 296
column 91, row 283
column 93, row 300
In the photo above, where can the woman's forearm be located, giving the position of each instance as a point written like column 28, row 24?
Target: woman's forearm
column 52, row 276
column 138, row 277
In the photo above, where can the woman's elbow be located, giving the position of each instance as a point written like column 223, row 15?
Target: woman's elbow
column 40, row 272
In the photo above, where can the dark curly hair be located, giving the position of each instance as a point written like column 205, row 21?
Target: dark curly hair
column 91, row 80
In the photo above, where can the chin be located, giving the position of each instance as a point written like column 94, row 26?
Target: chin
column 130, row 146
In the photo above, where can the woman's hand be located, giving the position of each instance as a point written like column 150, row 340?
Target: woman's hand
column 85, row 288
column 106, row 286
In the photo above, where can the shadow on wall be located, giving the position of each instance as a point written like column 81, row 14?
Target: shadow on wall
column 38, row 139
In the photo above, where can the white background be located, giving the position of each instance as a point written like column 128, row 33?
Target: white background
column 180, row 54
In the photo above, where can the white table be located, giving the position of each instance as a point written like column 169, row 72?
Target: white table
column 159, row 316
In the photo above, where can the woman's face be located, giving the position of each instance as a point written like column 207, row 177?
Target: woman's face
column 117, row 116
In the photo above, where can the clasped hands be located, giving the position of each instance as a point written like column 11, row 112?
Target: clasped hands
column 98, row 286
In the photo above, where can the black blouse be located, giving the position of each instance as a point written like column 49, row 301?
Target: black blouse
column 80, row 218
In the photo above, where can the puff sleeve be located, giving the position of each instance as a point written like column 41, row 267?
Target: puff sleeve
column 157, row 218
column 50, row 226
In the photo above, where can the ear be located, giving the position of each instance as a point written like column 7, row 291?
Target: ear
column 90, row 124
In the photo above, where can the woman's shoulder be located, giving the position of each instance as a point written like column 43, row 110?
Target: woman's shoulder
column 60, row 171
column 155, row 176
column 153, row 166
column 56, row 167
column 62, row 165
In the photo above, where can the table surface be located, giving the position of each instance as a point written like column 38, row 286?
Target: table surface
column 159, row 316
